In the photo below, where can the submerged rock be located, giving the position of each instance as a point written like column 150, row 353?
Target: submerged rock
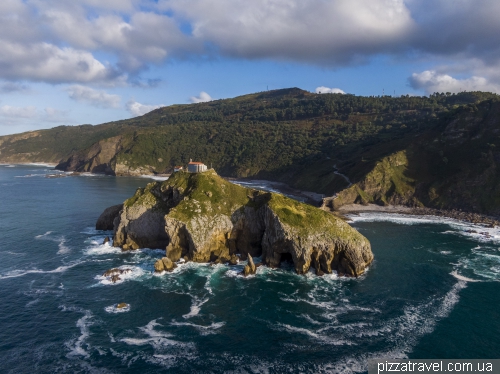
column 116, row 271
column 115, row 278
column 201, row 217
column 114, row 274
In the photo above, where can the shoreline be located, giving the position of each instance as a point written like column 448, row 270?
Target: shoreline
column 312, row 197
column 48, row 164
column 476, row 218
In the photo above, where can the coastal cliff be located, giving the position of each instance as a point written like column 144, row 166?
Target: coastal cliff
column 454, row 167
column 202, row 217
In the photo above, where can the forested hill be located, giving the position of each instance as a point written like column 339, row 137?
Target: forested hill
column 288, row 135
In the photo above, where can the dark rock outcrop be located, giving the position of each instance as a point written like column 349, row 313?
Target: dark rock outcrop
column 114, row 274
column 106, row 219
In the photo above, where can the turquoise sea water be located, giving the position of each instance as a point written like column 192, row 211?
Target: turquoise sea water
column 432, row 292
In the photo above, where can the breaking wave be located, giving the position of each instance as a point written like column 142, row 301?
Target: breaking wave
column 155, row 177
column 98, row 249
column 129, row 273
column 477, row 232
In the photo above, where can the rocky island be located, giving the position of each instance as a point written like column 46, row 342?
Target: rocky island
column 202, row 217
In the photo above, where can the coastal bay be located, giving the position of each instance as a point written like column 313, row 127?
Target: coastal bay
column 431, row 292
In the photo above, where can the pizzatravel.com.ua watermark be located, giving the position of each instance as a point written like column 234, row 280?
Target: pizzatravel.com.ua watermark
column 382, row 366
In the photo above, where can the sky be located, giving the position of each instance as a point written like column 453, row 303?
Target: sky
column 94, row 61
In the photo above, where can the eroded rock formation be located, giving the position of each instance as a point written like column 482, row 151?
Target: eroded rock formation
column 202, row 217
column 164, row 264
column 107, row 218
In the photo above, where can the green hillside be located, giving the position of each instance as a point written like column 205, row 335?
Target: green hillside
column 292, row 136
column 453, row 165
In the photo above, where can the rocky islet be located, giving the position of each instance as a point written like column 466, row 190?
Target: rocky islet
column 203, row 218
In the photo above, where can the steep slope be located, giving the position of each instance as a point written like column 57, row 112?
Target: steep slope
column 454, row 166
column 202, row 217
column 57, row 143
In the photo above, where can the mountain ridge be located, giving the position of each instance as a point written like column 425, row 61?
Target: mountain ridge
column 299, row 138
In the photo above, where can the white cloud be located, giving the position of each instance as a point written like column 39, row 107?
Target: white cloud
column 115, row 5
column 314, row 31
column 432, row 81
column 138, row 109
column 18, row 112
column 93, row 97
column 49, row 63
column 323, row 90
column 60, row 41
column 55, row 115
column 19, row 119
column 145, row 37
column 202, row 98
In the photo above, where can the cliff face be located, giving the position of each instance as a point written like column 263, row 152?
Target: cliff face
column 99, row 158
column 388, row 183
column 201, row 217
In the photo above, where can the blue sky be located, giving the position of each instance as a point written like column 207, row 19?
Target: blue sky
column 92, row 61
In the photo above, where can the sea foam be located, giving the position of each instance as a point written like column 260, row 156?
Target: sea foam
column 131, row 273
column 101, row 249
column 159, row 340
column 77, row 346
column 195, row 308
column 20, row 273
column 476, row 232
column 60, row 240
column 203, row 330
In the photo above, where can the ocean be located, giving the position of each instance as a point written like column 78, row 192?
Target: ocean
column 433, row 291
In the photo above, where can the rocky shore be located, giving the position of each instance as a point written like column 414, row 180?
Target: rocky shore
column 475, row 218
column 458, row 214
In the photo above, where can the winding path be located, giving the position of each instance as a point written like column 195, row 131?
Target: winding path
column 342, row 175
